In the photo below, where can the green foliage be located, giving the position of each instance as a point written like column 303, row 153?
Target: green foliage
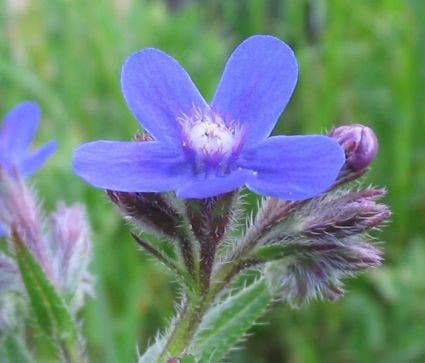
column 153, row 352
column 226, row 323
column 14, row 350
column 359, row 62
column 50, row 309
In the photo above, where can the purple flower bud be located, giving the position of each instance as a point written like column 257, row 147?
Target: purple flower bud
column 64, row 253
column 337, row 214
column 315, row 269
column 70, row 253
column 158, row 214
column 347, row 214
column 19, row 207
column 359, row 143
column 152, row 212
column 323, row 241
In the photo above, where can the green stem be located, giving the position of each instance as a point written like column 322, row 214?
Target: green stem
column 180, row 273
column 185, row 328
column 194, row 310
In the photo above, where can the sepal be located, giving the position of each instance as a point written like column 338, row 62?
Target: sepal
column 315, row 269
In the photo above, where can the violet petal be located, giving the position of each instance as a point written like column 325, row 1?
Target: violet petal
column 157, row 90
column 19, row 127
column 293, row 167
column 213, row 185
column 256, row 85
column 30, row 164
column 148, row 166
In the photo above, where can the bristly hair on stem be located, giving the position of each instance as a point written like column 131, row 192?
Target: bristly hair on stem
column 211, row 220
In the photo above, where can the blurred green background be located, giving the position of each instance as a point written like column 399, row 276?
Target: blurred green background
column 360, row 61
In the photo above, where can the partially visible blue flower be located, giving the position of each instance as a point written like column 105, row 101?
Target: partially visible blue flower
column 16, row 135
column 17, row 132
column 202, row 150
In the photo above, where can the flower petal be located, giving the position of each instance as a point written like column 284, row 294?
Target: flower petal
column 147, row 166
column 214, row 185
column 294, row 167
column 19, row 127
column 30, row 164
column 157, row 90
column 3, row 231
column 257, row 84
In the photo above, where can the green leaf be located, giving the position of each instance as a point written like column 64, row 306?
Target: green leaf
column 49, row 307
column 153, row 352
column 14, row 350
column 226, row 323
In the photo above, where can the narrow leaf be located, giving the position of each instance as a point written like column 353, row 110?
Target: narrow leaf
column 153, row 353
column 49, row 307
column 15, row 350
column 225, row 324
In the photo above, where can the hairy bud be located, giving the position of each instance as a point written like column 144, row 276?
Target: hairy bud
column 316, row 268
column 153, row 212
column 350, row 213
column 322, row 241
column 336, row 214
column 19, row 206
column 71, row 252
column 359, row 143
column 64, row 252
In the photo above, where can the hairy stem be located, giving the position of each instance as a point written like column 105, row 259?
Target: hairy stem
column 187, row 254
column 185, row 328
column 272, row 211
column 161, row 257
column 194, row 310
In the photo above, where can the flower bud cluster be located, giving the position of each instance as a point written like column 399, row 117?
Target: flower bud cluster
column 325, row 240
column 63, row 251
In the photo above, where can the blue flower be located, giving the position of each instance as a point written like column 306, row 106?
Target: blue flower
column 202, row 150
column 16, row 135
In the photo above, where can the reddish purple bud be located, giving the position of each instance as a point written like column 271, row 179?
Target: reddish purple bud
column 345, row 215
column 150, row 211
column 71, row 253
column 359, row 143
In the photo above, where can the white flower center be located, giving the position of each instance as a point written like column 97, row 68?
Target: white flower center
column 208, row 135
column 211, row 138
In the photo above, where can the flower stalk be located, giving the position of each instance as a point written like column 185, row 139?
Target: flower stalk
column 184, row 329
